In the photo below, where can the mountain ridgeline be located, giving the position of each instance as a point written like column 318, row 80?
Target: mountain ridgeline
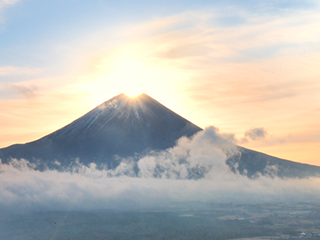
column 126, row 127
column 118, row 128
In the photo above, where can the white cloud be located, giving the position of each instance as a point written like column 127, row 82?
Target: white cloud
column 7, row 2
column 16, row 71
column 23, row 188
column 3, row 5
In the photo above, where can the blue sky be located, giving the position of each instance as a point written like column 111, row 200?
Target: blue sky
column 238, row 65
column 29, row 26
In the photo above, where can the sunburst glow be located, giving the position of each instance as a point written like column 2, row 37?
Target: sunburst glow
column 131, row 74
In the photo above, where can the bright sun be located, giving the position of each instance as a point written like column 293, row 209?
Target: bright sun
column 133, row 77
column 132, row 94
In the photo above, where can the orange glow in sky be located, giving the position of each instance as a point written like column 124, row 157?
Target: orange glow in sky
column 263, row 73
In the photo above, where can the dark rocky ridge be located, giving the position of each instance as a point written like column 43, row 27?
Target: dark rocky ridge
column 123, row 127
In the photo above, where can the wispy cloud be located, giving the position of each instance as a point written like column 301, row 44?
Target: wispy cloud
column 254, row 134
column 3, row 5
column 16, row 71
column 12, row 91
column 13, row 82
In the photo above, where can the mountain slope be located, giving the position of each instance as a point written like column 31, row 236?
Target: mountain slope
column 253, row 164
column 120, row 127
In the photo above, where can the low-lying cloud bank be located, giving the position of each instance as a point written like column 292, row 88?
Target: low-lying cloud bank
column 158, row 179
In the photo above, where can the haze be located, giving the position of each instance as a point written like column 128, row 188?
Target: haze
column 165, row 178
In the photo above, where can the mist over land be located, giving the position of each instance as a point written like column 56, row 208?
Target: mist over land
column 163, row 201
column 203, row 181
column 193, row 170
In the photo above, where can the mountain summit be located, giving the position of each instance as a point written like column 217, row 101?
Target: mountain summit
column 120, row 127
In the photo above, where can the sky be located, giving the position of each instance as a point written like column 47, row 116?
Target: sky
column 249, row 68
